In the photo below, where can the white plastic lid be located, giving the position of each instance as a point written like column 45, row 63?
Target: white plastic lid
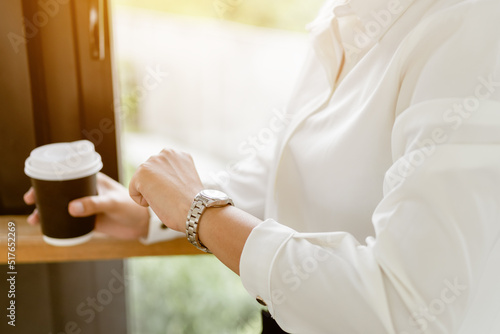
column 63, row 161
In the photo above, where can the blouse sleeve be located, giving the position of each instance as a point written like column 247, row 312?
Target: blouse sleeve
column 246, row 182
column 438, row 224
column 157, row 232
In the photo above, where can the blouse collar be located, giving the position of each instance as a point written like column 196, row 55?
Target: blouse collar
column 345, row 30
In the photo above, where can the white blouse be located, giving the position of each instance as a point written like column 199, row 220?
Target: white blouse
column 382, row 198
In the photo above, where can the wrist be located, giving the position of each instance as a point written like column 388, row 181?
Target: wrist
column 224, row 231
column 205, row 199
column 207, row 227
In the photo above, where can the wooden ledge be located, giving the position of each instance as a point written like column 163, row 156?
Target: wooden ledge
column 30, row 247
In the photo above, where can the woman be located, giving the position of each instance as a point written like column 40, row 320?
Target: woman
column 393, row 139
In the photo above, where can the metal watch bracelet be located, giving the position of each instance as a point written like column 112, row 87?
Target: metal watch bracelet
column 197, row 208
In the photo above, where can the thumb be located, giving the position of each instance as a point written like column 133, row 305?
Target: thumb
column 87, row 206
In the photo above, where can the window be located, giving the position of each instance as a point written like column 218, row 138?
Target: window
column 53, row 88
column 204, row 76
column 207, row 84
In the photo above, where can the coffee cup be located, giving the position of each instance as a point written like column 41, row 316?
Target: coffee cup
column 60, row 173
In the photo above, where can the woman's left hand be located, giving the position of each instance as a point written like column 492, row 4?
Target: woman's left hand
column 168, row 183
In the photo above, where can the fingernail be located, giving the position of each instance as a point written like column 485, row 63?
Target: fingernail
column 76, row 208
column 30, row 219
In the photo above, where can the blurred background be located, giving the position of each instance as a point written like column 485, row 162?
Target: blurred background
column 203, row 76
column 222, row 67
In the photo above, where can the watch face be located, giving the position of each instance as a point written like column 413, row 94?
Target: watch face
column 214, row 195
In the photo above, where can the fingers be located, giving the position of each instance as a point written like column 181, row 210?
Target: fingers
column 134, row 189
column 136, row 195
column 29, row 197
column 105, row 181
column 88, row 206
column 169, row 174
column 34, row 218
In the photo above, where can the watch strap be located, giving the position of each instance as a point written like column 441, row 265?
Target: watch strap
column 197, row 208
column 201, row 202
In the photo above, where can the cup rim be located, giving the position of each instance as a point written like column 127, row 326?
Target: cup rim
column 59, row 171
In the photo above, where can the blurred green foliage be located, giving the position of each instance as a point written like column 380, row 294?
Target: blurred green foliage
column 280, row 14
column 129, row 97
column 189, row 294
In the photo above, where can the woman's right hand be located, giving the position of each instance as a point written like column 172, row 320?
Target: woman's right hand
column 117, row 215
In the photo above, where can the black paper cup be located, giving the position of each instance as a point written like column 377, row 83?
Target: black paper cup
column 60, row 173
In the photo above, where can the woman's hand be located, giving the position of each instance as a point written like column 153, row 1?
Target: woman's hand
column 117, row 214
column 168, row 182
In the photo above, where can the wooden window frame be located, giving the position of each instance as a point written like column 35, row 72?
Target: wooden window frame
column 53, row 91
column 30, row 247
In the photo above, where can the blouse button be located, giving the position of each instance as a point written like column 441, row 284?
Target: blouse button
column 261, row 301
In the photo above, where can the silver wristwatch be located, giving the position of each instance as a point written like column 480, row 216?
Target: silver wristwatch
column 204, row 199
